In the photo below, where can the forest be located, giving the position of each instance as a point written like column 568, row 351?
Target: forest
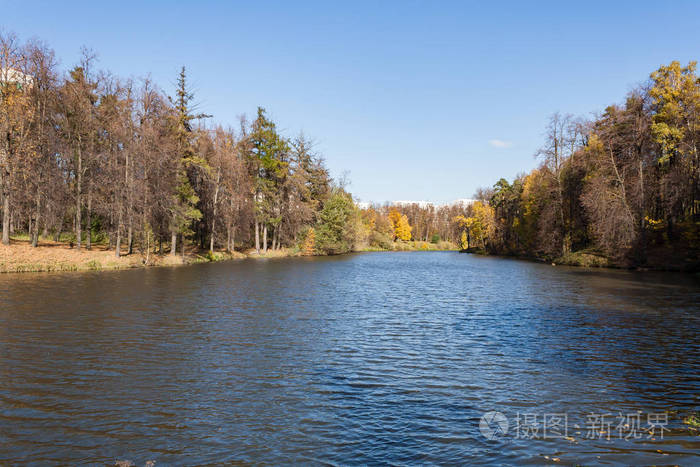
column 88, row 158
column 91, row 159
column 621, row 189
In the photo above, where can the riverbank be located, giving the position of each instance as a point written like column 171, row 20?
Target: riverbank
column 414, row 246
column 582, row 259
column 657, row 260
column 50, row 256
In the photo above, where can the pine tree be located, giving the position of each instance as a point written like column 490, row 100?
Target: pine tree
column 269, row 168
column 184, row 209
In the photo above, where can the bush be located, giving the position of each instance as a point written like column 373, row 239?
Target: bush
column 435, row 238
column 380, row 240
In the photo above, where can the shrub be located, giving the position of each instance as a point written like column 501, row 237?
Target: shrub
column 380, row 240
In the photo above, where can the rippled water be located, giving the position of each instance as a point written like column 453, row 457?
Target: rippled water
column 368, row 358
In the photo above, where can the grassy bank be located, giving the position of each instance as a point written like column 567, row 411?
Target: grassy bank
column 584, row 258
column 414, row 246
column 51, row 256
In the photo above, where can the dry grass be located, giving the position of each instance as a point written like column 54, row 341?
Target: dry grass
column 51, row 256
column 281, row 253
column 583, row 259
column 20, row 256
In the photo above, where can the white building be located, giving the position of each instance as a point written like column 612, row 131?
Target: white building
column 464, row 202
column 12, row 76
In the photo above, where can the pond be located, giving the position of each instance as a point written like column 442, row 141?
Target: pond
column 365, row 358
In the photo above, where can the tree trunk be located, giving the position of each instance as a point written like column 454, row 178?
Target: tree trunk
column 213, row 217
column 127, row 184
column 78, row 203
column 148, row 246
column 118, row 243
column 642, row 227
column 182, row 245
column 257, row 237
column 265, row 239
column 35, row 234
column 88, row 227
column 130, row 239
column 6, row 218
column 173, row 243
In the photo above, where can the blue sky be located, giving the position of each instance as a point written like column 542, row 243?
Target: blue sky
column 422, row 100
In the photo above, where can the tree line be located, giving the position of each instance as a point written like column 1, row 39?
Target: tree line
column 89, row 157
column 623, row 186
column 388, row 224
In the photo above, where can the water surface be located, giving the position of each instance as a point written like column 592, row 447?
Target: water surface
column 367, row 358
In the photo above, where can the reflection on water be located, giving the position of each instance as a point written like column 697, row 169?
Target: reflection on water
column 366, row 358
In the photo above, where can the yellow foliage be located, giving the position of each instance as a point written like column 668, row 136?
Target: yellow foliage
column 400, row 226
column 464, row 243
column 369, row 216
column 403, row 229
column 677, row 97
column 309, row 243
column 460, row 220
column 655, row 224
column 478, row 227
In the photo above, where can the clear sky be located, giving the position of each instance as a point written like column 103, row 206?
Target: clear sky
column 419, row 100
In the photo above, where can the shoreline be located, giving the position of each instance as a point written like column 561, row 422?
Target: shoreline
column 50, row 256
column 585, row 260
column 20, row 257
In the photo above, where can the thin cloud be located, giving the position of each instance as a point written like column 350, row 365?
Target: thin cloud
column 499, row 143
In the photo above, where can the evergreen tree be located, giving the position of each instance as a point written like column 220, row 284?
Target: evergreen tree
column 184, row 208
column 269, row 168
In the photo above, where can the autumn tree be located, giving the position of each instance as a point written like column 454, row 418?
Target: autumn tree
column 675, row 94
column 16, row 117
column 78, row 127
column 41, row 172
column 400, row 225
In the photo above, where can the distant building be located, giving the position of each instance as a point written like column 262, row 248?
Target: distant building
column 423, row 204
column 16, row 77
column 464, row 202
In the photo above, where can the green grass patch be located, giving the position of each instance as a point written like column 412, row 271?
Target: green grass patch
column 584, row 259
